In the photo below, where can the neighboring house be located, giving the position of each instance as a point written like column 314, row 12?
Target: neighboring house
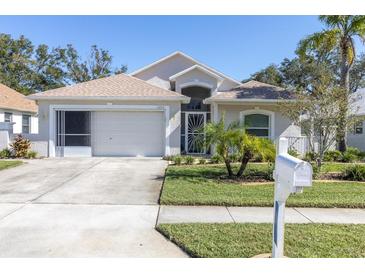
column 15, row 108
column 155, row 111
column 356, row 137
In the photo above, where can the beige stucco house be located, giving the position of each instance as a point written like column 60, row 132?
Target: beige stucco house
column 155, row 111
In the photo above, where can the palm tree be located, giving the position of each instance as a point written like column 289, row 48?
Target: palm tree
column 338, row 37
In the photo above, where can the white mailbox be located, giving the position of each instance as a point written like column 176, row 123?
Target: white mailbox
column 291, row 176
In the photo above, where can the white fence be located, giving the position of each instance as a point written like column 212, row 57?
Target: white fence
column 299, row 143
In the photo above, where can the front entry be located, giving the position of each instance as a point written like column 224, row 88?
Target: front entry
column 195, row 137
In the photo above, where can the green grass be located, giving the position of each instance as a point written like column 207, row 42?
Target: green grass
column 336, row 167
column 200, row 185
column 9, row 164
column 247, row 240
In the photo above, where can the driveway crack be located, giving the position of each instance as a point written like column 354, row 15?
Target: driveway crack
column 302, row 214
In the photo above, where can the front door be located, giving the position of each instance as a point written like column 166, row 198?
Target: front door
column 195, row 136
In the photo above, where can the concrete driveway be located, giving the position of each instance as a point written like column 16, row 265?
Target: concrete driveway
column 83, row 207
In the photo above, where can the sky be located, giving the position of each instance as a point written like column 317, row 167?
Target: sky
column 235, row 45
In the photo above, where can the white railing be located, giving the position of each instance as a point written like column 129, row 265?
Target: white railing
column 299, row 143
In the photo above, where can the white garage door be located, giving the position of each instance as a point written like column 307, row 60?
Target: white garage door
column 128, row 133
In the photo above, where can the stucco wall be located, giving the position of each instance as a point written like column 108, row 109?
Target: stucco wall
column 174, row 139
column 357, row 140
column 196, row 76
column 159, row 74
column 282, row 125
column 17, row 119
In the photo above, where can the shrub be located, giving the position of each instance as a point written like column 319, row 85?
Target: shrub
column 354, row 173
column 189, row 160
column 32, row 154
column 177, row 159
column 202, row 161
column 362, row 156
column 20, row 146
column 349, row 157
column 310, row 156
column 168, row 157
column 5, row 153
column 270, row 172
column 216, row 159
column 293, row 152
column 234, row 158
column 332, row 156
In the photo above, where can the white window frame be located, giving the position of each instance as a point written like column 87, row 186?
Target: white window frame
column 268, row 113
column 359, row 125
column 29, row 123
column 11, row 116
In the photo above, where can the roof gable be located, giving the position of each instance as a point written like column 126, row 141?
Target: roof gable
column 194, row 61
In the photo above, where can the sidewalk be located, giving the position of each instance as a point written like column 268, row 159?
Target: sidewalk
column 217, row 214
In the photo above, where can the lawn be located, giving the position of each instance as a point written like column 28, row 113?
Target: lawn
column 247, row 240
column 8, row 164
column 201, row 185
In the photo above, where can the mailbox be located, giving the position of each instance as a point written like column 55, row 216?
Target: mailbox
column 291, row 176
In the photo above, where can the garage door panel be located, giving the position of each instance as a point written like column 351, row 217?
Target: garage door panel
column 126, row 133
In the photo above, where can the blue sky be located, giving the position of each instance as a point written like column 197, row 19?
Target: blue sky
column 235, row 45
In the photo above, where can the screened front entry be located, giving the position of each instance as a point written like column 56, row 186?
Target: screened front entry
column 73, row 133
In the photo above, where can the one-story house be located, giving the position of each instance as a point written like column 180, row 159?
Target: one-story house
column 155, row 111
column 356, row 136
column 18, row 110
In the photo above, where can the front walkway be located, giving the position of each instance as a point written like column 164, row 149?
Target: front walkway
column 217, row 214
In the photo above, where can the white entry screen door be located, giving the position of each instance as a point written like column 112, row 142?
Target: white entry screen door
column 195, row 136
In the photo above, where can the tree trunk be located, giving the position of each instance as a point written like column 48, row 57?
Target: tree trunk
column 345, row 85
column 229, row 168
column 246, row 157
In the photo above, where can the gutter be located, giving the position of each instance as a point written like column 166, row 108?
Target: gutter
column 182, row 99
column 228, row 100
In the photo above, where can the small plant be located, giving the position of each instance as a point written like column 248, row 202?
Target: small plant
column 5, row 153
column 293, row 152
column 20, row 146
column 234, row 158
column 349, row 157
column 332, row 156
column 354, row 173
column 270, row 172
column 177, row 159
column 189, row 160
column 310, row 156
column 216, row 159
column 202, row 161
column 32, row 154
column 168, row 157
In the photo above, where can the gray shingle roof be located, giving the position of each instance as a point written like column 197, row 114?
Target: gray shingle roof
column 254, row 90
column 121, row 86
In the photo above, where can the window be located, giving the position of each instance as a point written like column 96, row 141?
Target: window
column 257, row 125
column 26, row 123
column 8, row 117
column 358, row 128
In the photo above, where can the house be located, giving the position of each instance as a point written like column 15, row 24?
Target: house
column 155, row 111
column 356, row 136
column 16, row 109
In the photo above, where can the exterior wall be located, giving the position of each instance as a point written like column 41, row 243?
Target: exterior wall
column 174, row 137
column 159, row 74
column 196, row 76
column 357, row 140
column 17, row 119
column 282, row 125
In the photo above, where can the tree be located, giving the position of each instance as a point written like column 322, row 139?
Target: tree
column 338, row 37
column 97, row 65
column 317, row 111
column 233, row 139
column 28, row 68
column 269, row 75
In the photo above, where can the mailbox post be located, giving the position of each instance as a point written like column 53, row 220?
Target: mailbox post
column 291, row 176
